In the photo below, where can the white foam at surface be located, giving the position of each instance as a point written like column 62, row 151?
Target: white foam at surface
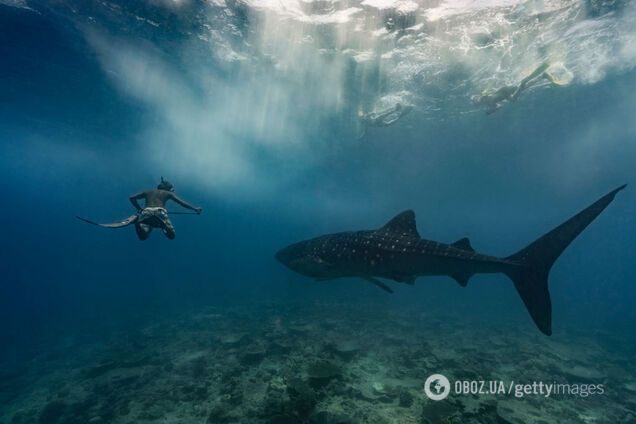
column 457, row 7
column 403, row 6
column 20, row 4
column 299, row 59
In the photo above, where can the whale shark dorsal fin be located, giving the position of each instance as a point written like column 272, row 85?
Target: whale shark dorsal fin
column 463, row 244
column 403, row 223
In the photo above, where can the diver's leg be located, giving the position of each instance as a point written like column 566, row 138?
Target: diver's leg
column 540, row 70
column 550, row 78
column 534, row 74
column 142, row 230
column 170, row 234
column 362, row 130
column 168, row 229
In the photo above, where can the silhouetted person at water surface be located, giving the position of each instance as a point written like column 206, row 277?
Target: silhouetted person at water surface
column 494, row 99
column 383, row 118
column 154, row 214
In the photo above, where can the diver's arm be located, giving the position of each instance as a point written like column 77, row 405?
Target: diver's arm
column 361, row 131
column 515, row 95
column 185, row 204
column 493, row 109
column 388, row 112
column 134, row 199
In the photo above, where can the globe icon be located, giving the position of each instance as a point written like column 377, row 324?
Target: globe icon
column 437, row 387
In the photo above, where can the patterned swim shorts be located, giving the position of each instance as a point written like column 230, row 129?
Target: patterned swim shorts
column 155, row 217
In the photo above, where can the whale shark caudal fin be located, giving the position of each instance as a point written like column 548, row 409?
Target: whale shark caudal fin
column 531, row 279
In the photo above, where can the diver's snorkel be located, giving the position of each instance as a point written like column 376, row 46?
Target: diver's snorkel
column 165, row 185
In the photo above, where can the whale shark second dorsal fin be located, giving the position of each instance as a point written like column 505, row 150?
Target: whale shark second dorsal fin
column 403, row 223
column 463, row 244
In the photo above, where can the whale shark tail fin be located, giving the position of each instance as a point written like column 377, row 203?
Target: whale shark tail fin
column 536, row 260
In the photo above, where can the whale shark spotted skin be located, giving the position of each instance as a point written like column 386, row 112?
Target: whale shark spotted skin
column 397, row 252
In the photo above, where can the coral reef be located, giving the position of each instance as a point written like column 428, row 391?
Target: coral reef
column 326, row 365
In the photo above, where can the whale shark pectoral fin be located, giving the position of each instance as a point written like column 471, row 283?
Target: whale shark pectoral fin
column 378, row 283
column 463, row 244
column 461, row 278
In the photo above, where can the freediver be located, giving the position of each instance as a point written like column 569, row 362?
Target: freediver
column 495, row 99
column 383, row 118
column 154, row 214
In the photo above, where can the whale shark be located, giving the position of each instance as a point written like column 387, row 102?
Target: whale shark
column 397, row 252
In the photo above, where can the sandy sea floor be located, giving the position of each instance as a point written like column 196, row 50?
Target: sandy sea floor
column 330, row 363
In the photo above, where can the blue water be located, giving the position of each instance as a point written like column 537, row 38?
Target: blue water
column 78, row 135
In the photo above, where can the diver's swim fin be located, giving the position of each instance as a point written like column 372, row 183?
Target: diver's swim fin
column 126, row 222
column 531, row 279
